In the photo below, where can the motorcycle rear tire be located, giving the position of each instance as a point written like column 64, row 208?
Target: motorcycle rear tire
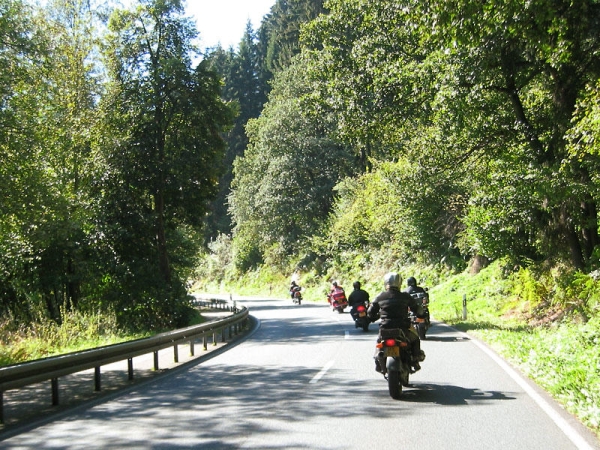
column 394, row 385
column 365, row 326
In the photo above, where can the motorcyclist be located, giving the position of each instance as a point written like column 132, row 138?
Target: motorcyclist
column 392, row 307
column 357, row 297
column 336, row 293
column 294, row 288
column 412, row 287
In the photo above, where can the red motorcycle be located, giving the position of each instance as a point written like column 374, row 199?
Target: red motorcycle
column 297, row 299
column 337, row 300
column 296, row 295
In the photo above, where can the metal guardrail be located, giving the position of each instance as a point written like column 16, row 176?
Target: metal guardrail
column 23, row 374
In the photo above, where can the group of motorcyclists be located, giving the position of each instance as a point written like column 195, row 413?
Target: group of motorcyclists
column 391, row 306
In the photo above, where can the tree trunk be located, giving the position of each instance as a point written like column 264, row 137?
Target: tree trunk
column 568, row 231
column 161, row 239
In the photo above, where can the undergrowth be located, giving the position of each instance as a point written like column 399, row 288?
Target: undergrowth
column 45, row 337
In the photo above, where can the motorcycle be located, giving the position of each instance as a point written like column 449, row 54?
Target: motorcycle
column 297, row 296
column 361, row 320
column 337, row 299
column 339, row 304
column 393, row 357
column 421, row 324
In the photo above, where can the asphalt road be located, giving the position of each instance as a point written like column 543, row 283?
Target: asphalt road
column 305, row 378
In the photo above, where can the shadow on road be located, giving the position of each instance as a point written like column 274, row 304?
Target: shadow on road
column 448, row 395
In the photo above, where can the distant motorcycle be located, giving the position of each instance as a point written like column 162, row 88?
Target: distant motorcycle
column 394, row 359
column 361, row 320
column 297, row 295
column 339, row 304
column 337, row 299
column 421, row 324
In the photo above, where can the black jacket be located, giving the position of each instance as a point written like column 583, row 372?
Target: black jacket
column 413, row 289
column 392, row 307
column 358, row 297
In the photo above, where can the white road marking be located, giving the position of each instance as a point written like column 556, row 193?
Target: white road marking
column 322, row 372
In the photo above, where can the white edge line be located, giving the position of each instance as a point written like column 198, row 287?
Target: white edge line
column 569, row 431
column 322, row 372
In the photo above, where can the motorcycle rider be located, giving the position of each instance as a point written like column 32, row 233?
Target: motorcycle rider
column 357, row 297
column 392, row 307
column 411, row 286
column 294, row 288
column 336, row 293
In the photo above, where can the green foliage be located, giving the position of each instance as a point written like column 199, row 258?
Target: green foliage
column 280, row 31
column 399, row 207
column 282, row 190
column 245, row 86
column 474, row 92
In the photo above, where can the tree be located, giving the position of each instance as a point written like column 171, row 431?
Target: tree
column 242, row 86
column 162, row 137
column 282, row 190
column 529, row 65
column 469, row 89
column 22, row 53
column 47, row 121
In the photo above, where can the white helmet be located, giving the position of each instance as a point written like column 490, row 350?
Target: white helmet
column 392, row 279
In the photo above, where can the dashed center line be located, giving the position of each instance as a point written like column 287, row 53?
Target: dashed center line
column 322, row 372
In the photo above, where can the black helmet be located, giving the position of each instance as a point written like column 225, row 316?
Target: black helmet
column 411, row 281
column 356, row 285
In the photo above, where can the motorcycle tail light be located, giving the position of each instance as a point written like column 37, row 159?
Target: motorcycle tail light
column 361, row 308
column 390, row 342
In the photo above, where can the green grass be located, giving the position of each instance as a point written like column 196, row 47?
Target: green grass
column 78, row 331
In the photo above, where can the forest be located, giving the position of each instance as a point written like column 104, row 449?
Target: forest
column 340, row 136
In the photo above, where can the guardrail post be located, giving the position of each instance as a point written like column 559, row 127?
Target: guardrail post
column 97, row 379
column 192, row 347
column 204, row 342
column 176, row 353
column 464, row 310
column 223, row 334
column 130, row 368
column 214, row 338
column 54, row 383
column 156, row 360
column 1, row 407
